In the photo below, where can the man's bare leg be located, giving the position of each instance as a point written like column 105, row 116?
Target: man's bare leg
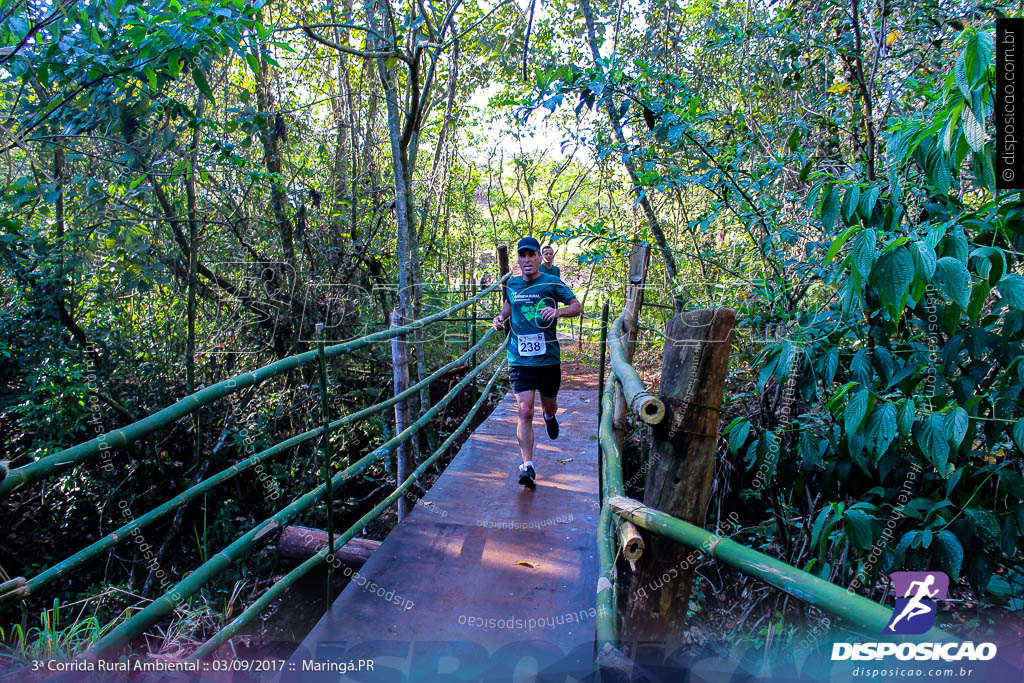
column 550, row 405
column 524, row 430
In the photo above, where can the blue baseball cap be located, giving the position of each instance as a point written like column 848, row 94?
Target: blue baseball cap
column 528, row 243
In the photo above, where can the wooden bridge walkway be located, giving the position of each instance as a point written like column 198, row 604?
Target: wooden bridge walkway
column 484, row 577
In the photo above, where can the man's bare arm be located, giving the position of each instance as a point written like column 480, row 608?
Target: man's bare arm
column 501, row 321
column 574, row 309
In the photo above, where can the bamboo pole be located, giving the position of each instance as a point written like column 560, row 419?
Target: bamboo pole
column 325, row 449
column 473, row 334
column 611, row 485
column 156, row 610
column 631, row 542
column 291, row 577
column 636, row 278
column 124, row 532
column 13, row 584
column 51, row 464
column 503, row 270
column 864, row 613
column 641, row 402
column 607, row 630
column 606, row 435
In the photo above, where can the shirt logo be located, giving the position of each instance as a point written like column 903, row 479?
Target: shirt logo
column 915, row 602
column 531, row 312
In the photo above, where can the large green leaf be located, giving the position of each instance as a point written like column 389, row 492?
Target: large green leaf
column 984, row 524
column 960, row 75
column 738, row 435
column 881, row 430
column 1011, row 288
column 974, row 130
column 863, row 256
column 855, row 410
column 839, row 241
column 830, row 211
column 857, row 525
column 850, row 202
column 930, row 437
column 905, row 417
column 955, row 425
column 924, row 260
column 829, row 366
column 868, row 200
column 949, row 553
column 990, row 263
column 200, row 80
column 1018, row 434
column 893, row 273
column 953, row 280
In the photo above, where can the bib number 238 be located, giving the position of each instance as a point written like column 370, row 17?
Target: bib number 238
column 531, row 344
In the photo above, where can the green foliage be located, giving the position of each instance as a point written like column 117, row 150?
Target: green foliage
column 880, row 265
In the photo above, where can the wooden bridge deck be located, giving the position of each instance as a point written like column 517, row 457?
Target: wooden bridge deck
column 484, row 577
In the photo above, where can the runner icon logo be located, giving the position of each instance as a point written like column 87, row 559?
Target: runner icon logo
column 915, row 608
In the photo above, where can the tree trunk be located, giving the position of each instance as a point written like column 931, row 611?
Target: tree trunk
column 301, row 543
column 645, row 203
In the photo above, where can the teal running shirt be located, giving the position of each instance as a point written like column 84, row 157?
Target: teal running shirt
column 532, row 341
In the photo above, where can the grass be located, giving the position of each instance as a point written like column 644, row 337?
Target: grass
column 50, row 640
column 64, row 632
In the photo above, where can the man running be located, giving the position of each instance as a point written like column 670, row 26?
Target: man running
column 547, row 265
column 534, row 358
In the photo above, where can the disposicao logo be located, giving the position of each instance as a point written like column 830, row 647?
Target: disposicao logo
column 915, row 610
column 914, row 614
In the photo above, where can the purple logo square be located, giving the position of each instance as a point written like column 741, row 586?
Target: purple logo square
column 938, row 582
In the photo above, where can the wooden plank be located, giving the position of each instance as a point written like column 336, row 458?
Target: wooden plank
column 449, row 579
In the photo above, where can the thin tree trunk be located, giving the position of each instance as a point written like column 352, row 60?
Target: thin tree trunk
column 645, row 203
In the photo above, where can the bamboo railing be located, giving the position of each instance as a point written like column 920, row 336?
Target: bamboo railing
column 617, row 509
column 117, row 638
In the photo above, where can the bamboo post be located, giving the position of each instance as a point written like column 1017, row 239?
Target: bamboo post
column 638, row 262
column 325, row 449
column 472, row 338
column 680, row 468
column 400, row 352
column 631, row 542
column 641, row 402
column 502, row 269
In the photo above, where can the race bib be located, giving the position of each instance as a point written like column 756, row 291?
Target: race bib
column 531, row 344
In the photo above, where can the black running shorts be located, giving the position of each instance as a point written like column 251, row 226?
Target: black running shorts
column 544, row 378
